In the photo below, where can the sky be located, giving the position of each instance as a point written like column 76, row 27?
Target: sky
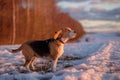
column 97, row 9
column 92, row 11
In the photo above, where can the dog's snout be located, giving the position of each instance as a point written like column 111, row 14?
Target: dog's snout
column 74, row 31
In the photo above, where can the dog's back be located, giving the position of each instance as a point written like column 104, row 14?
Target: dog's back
column 41, row 48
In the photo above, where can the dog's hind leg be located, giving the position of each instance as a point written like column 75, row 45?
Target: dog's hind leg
column 32, row 62
column 27, row 64
column 29, row 56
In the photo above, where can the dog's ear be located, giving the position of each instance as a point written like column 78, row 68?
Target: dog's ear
column 63, row 28
column 57, row 34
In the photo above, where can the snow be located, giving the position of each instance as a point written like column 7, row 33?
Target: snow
column 96, row 59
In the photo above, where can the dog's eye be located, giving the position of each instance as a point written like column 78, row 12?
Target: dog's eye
column 55, row 32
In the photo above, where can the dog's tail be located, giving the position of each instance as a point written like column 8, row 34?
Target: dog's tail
column 16, row 50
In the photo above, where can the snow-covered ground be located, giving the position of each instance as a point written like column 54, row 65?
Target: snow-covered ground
column 98, row 58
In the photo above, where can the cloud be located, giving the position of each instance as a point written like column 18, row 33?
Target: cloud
column 66, row 4
column 96, row 1
column 73, row 0
column 95, row 13
column 110, row 1
column 91, row 9
column 89, row 4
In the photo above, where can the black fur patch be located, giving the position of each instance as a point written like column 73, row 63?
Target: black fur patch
column 41, row 47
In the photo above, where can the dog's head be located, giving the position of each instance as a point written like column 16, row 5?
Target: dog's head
column 65, row 34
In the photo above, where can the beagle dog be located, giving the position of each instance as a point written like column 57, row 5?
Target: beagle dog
column 51, row 48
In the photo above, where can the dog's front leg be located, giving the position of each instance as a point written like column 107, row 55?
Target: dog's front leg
column 54, row 65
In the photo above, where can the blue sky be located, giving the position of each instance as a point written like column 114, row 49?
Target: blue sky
column 93, row 9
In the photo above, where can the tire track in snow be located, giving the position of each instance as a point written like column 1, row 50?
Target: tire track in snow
column 99, row 60
column 94, row 67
